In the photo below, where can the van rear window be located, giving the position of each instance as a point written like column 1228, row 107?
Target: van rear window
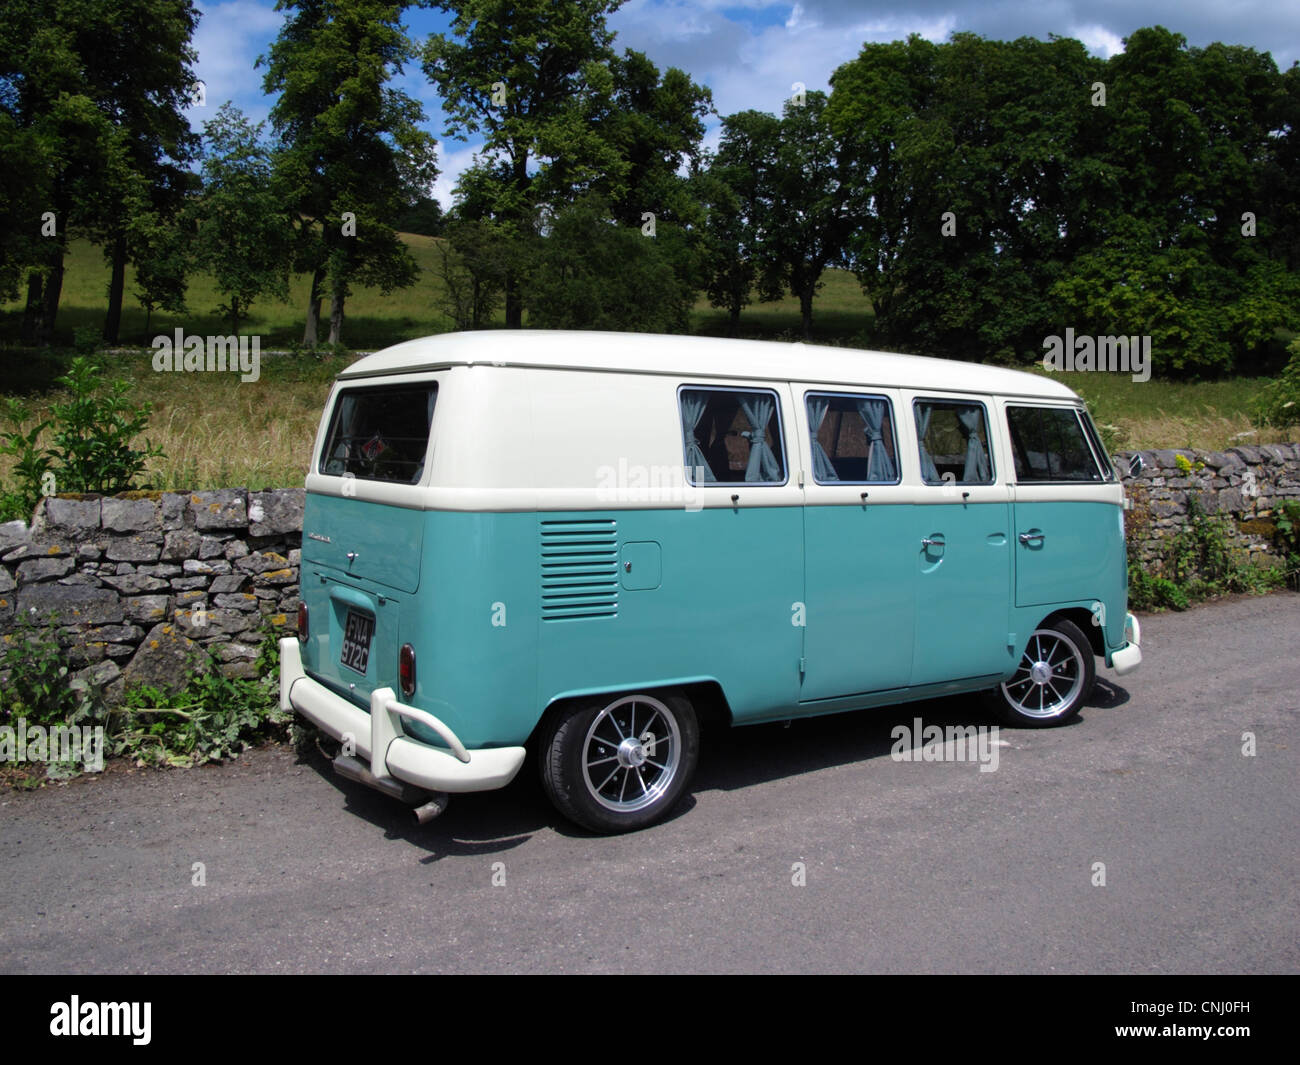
column 380, row 434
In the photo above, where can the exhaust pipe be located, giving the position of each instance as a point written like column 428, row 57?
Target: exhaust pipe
column 438, row 802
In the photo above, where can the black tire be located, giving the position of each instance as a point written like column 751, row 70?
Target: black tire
column 603, row 760
column 1053, row 678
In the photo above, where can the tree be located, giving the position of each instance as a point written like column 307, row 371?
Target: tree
column 473, row 262
column 353, row 155
column 738, row 196
column 241, row 238
column 593, row 273
column 515, row 73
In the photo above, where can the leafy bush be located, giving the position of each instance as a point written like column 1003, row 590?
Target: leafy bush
column 211, row 719
column 93, row 431
column 31, row 463
column 1279, row 401
column 37, row 682
column 1288, row 540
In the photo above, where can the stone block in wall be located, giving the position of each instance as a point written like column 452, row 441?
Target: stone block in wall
column 230, row 582
column 44, row 569
column 60, row 516
column 166, row 660
column 275, row 513
column 180, row 544
column 13, row 534
column 71, row 603
column 125, row 515
column 225, row 508
column 137, row 548
column 146, row 608
column 260, row 562
column 198, row 568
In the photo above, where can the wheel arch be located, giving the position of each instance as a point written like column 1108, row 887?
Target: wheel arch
column 705, row 694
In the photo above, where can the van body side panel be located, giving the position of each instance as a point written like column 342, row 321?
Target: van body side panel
column 1081, row 557
column 474, row 627
column 722, row 606
column 963, row 585
column 860, row 598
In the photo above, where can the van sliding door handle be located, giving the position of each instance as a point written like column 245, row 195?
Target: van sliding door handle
column 936, row 541
column 1029, row 538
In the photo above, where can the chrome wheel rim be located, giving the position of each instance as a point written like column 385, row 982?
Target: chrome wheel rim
column 1049, row 677
column 631, row 754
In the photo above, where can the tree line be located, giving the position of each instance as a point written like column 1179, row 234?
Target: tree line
column 986, row 194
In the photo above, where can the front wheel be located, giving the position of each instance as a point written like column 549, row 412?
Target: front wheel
column 619, row 763
column 1053, row 678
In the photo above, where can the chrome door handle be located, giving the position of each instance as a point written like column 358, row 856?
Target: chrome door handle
column 928, row 542
column 1026, row 538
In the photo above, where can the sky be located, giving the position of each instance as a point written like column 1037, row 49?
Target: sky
column 750, row 53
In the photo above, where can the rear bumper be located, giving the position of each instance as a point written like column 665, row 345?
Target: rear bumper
column 1128, row 657
column 378, row 738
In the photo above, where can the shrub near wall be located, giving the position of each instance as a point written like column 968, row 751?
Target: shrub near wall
column 141, row 584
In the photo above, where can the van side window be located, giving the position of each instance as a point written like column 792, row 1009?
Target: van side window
column 852, row 439
column 1049, row 444
column 954, row 442
column 380, row 434
column 732, row 437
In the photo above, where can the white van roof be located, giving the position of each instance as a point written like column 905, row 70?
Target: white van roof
column 704, row 357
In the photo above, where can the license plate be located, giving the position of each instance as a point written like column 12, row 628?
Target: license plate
column 356, row 641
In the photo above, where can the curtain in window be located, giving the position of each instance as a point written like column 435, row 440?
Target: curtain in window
column 822, row 468
column 977, row 459
column 929, row 471
column 762, row 463
column 880, row 467
column 697, row 467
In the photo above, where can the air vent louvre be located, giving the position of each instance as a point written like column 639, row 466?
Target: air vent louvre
column 579, row 569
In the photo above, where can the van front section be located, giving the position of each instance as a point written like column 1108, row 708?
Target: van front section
column 1070, row 556
column 384, row 582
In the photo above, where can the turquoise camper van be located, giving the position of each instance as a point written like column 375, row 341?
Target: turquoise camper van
column 567, row 548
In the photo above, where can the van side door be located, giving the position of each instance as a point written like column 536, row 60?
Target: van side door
column 858, row 576
column 961, row 546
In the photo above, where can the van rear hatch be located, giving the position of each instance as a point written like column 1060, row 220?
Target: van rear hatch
column 376, row 433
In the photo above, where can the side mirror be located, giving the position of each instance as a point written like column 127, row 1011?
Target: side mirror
column 1135, row 465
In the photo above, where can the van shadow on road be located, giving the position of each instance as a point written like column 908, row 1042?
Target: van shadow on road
column 494, row 822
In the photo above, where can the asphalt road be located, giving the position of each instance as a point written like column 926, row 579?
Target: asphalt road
column 908, row 866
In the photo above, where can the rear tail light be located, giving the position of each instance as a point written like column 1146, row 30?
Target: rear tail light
column 302, row 623
column 406, row 669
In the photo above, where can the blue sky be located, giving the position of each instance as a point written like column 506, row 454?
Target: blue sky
column 751, row 52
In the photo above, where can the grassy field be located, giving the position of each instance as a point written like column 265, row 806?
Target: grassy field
column 218, row 432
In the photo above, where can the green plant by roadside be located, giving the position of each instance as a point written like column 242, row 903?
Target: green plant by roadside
column 1279, row 401
column 1288, row 540
column 36, row 680
column 212, row 718
column 31, row 462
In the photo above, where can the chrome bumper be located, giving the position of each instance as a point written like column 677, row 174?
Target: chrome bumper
column 378, row 739
column 1128, row 657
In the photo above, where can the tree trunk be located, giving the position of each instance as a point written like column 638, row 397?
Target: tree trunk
column 234, row 315
column 309, row 333
column 733, row 319
column 336, row 316
column 116, row 288
column 514, row 303
column 53, row 289
column 35, row 304
column 805, row 308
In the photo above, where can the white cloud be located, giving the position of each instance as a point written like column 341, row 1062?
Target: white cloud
column 1100, row 41
column 228, row 40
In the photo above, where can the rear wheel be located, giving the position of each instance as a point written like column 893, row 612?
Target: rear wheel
column 619, row 763
column 1053, row 678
